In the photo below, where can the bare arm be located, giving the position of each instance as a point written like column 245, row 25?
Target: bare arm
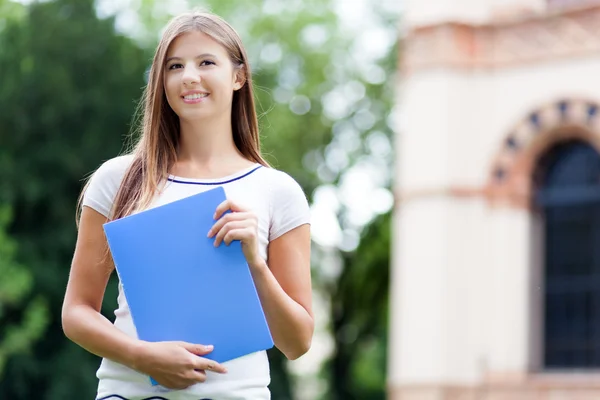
column 175, row 365
column 81, row 318
column 284, row 285
column 284, row 288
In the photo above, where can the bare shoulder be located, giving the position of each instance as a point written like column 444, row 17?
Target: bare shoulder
column 91, row 265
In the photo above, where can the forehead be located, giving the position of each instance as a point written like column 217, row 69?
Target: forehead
column 190, row 44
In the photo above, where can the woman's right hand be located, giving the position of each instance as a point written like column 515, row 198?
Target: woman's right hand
column 175, row 365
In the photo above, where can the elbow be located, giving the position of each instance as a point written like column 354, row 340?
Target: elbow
column 65, row 323
column 68, row 322
column 302, row 344
column 299, row 350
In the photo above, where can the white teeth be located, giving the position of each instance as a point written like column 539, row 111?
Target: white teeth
column 195, row 96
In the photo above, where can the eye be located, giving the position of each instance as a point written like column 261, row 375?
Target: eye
column 207, row 62
column 173, row 66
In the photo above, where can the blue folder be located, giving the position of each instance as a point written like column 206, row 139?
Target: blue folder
column 180, row 287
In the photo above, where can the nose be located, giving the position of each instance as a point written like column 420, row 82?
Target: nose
column 191, row 75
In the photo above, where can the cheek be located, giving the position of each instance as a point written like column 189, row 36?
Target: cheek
column 171, row 90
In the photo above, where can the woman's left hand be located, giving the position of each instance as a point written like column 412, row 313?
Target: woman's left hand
column 239, row 224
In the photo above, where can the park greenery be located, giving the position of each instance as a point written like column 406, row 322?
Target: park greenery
column 72, row 74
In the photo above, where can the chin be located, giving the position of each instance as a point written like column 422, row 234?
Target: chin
column 188, row 115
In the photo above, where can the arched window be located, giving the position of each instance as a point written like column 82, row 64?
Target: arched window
column 567, row 183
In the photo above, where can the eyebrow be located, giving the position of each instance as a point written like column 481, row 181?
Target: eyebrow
column 198, row 56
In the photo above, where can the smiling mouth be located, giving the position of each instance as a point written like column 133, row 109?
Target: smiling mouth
column 195, row 96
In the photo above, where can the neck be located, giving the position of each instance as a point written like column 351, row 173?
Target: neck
column 207, row 142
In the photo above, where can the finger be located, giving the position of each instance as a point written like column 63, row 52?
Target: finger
column 213, row 366
column 203, row 364
column 221, row 208
column 242, row 234
column 197, row 349
column 184, row 382
column 198, row 376
column 228, row 205
column 227, row 218
column 228, row 227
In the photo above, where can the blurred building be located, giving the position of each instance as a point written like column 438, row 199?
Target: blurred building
column 496, row 263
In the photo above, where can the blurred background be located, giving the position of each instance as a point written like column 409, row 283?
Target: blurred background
column 449, row 150
column 495, row 272
column 71, row 74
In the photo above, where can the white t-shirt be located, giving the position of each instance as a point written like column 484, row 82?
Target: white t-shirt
column 280, row 205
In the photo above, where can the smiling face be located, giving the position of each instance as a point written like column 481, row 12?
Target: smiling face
column 199, row 77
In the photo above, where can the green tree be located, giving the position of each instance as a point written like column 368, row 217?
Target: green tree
column 15, row 287
column 359, row 317
column 9, row 10
column 70, row 86
column 69, row 90
column 290, row 46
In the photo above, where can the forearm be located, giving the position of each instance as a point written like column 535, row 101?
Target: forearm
column 92, row 331
column 291, row 325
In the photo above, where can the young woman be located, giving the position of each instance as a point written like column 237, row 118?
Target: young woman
column 199, row 130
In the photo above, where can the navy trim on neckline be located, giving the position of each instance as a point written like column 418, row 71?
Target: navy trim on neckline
column 214, row 183
column 116, row 396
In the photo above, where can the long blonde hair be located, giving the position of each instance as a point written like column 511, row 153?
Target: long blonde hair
column 155, row 152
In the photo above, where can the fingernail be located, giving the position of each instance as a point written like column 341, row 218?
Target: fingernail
column 208, row 347
column 209, row 233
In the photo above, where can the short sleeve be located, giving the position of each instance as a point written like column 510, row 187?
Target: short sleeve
column 104, row 184
column 289, row 206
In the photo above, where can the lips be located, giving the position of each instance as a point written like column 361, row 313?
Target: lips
column 195, row 96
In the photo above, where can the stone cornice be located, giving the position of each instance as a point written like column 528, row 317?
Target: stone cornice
column 546, row 37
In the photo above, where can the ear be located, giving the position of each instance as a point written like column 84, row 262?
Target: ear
column 239, row 77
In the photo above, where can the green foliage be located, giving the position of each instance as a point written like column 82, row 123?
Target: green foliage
column 359, row 317
column 70, row 86
column 290, row 75
column 10, row 10
column 15, row 290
